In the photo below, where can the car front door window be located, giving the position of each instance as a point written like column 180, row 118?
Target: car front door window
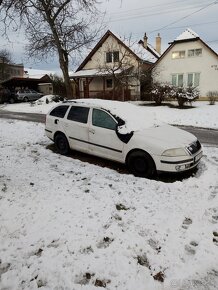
column 102, row 119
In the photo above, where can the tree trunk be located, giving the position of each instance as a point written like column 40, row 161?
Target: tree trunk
column 62, row 53
column 67, row 81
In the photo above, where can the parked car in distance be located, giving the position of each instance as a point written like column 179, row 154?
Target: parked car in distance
column 122, row 132
column 27, row 95
column 7, row 96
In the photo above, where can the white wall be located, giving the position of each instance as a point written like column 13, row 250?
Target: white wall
column 206, row 65
column 98, row 59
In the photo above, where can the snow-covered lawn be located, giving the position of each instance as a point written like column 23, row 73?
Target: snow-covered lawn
column 70, row 225
column 202, row 115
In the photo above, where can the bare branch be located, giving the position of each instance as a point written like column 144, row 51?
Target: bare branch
column 61, row 27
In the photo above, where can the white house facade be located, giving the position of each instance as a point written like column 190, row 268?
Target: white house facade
column 112, row 69
column 188, row 61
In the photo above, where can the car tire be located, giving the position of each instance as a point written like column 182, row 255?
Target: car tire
column 11, row 100
column 140, row 164
column 25, row 99
column 61, row 144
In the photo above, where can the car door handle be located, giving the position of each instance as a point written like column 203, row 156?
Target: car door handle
column 92, row 131
column 56, row 121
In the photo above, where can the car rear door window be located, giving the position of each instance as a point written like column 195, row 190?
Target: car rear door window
column 102, row 119
column 59, row 111
column 78, row 114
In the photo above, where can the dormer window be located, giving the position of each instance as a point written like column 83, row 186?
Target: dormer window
column 195, row 52
column 112, row 56
column 178, row 54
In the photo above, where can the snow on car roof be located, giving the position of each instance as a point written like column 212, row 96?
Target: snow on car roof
column 135, row 117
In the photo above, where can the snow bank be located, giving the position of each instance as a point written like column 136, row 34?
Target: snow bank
column 67, row 224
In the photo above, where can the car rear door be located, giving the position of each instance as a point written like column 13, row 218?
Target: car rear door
column 55, row 120
column 103, row 140
column 77, row 128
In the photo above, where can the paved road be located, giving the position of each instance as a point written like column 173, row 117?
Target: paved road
column 22, row 116
column 206, row 136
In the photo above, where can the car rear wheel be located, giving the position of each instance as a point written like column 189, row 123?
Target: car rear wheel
column 26, row 99
column 11, row 100
column 141, row 164
column 61, row 144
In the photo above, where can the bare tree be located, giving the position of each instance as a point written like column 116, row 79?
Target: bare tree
column 5, row 59
column 61, row 27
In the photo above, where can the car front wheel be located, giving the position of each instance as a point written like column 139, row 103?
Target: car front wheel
column 141, row 164
column 61, row 144
column 26, row 99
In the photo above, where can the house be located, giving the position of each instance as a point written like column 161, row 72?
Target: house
column 188, row 61
column 9, row 70
column 112, row 69
column 38, row 80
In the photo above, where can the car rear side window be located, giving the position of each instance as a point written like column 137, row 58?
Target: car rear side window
column 59, row 111
column 78, row 114
column 103, row 120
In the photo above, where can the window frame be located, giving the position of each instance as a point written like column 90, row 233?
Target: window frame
column 194, row 52
column 77, row 121
column 179, row 52
column 106, row 84
column 106, row 112
column 110, row 56
column 194, row 74
column 177, row 79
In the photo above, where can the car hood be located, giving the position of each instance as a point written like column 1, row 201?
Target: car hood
column 167, row 136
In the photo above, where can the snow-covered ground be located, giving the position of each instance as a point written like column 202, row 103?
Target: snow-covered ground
column 70, row 225
column 202, row 115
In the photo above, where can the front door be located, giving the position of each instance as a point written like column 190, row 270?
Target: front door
column 103, row 140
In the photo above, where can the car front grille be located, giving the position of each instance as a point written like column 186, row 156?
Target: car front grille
column 194, row 147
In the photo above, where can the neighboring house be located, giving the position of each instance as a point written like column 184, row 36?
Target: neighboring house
column 38, row 80
column 112, row 69
column 15, row 83
column 9, row 70
column 44, row 85
column 188, row 61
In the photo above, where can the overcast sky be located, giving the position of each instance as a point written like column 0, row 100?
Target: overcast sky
column 135, row 17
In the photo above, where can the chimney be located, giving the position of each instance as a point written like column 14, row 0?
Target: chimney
column 158, row 43
column 145, row 40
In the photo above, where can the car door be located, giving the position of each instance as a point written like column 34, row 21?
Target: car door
column 28, row 94
column 103, row 140
column 77, row 128
column 55, row 120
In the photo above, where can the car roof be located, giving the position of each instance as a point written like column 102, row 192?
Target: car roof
column 134, row 116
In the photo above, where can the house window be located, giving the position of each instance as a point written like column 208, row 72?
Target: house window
column 195, row 52
column 178, row 54
column 109, row 83
column 112, row 56
column 193, row 79
column 108, row 57
column 177, row 80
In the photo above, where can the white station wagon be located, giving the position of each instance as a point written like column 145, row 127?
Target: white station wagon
column 122, row 132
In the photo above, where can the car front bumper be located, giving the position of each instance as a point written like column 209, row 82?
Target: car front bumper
column 178, row 164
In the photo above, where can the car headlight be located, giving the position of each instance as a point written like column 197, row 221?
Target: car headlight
column 175, row 152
